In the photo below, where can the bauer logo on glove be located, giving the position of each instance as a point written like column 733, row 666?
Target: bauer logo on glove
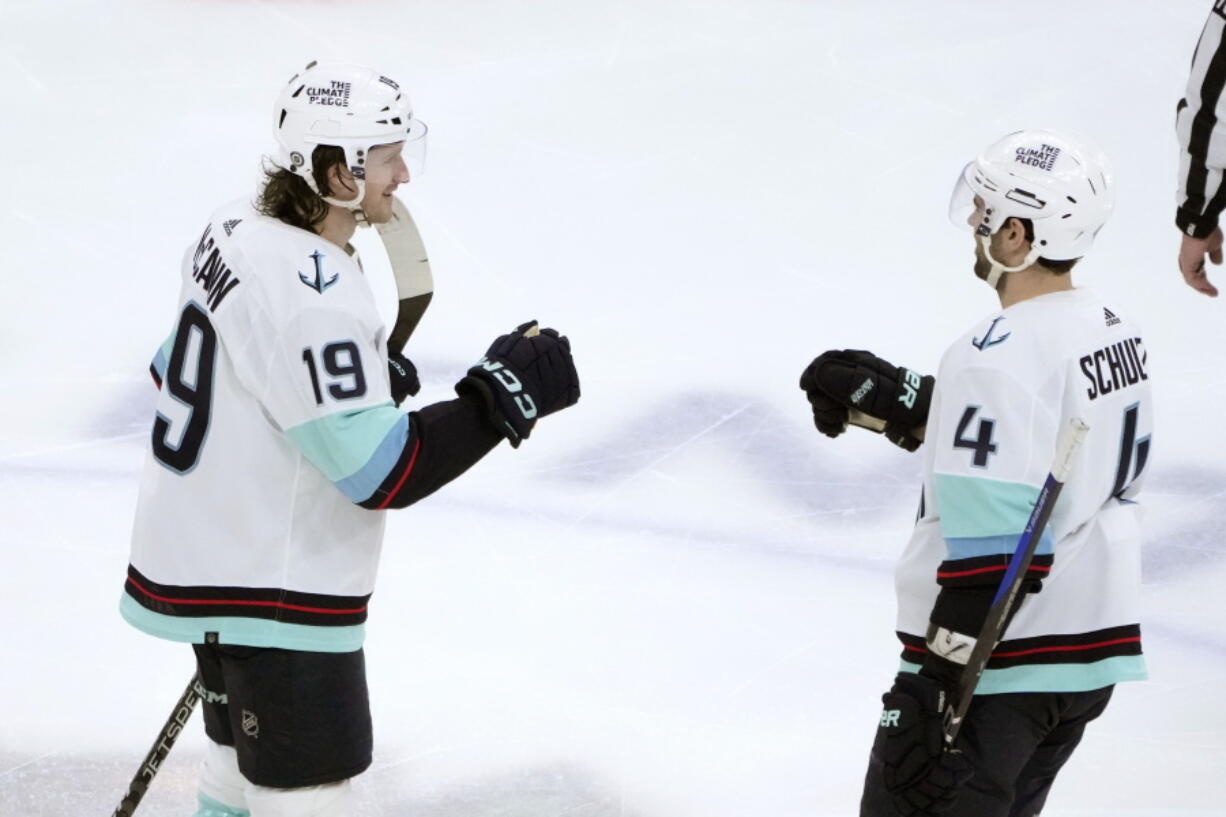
column 857, row 387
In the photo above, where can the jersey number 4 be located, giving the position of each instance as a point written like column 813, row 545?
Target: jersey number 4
column 982, row 443
column 1133, row 452
column 189, row 380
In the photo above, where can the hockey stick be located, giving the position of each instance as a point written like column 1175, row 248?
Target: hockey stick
column 859, row 418
column 161, row 747
column 993, row 627
column 406, row 254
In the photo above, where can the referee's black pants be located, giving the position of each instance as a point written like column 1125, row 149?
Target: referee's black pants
column 1016, row 743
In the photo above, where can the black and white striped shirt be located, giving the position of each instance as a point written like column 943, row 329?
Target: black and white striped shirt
column 1202, row 138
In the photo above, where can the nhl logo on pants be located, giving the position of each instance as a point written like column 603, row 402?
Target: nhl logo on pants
column 251, row 725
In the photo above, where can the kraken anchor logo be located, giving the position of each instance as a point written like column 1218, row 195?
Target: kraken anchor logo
column 987, row 341
column 319, row 284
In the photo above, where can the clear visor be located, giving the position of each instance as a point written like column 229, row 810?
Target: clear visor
column 966, row 207
column 414, row 152
column 413, row 137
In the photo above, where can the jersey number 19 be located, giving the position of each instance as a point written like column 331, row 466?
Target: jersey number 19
column 189, row 380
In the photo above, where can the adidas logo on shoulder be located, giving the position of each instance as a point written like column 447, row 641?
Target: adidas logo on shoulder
column 1110, row 317
column 229, row 226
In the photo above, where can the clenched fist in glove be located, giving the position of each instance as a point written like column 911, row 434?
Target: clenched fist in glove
column 839, row 382
column 921, row 776
column 524, row 376
column 402, row 377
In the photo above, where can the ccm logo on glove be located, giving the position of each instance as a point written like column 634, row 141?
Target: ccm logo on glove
column 507, row 379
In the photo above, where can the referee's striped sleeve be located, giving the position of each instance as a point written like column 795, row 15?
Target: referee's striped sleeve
column 1200, row 126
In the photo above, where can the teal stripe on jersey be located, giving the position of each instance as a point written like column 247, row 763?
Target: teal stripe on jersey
column 159, row 364
column 975, row 508
column 354, row 449
column 162, row 356
column 212, row 808
column 970, row 548
column 248, row 632
column 362, row 485
column 1057, row 677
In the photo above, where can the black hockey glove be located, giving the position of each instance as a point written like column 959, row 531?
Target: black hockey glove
column 857, row 380
column 829, row 415
column 922, row 777
column 402, row 375
column 524, row 376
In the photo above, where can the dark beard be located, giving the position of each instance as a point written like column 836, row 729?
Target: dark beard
column 982, row 266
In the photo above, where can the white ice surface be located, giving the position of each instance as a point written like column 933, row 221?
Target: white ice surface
column 674, row 600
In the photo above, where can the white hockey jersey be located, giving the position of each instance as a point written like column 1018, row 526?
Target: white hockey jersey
column 1003, row 393
column 273, row 422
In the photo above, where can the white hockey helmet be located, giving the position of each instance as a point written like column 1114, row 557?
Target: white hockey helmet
column 1065, row 188
column 350, row 107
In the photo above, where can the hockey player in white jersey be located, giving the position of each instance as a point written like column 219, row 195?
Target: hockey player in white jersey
column 278, row 444
column 988, row 425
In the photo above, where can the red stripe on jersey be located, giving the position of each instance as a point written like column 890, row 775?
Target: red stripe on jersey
column 1070, row 648
column 246, row 602
column 994, row 568
column 408, row 469
column 1062, row 648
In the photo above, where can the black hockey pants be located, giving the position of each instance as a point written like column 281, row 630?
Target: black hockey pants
column 1016, row 744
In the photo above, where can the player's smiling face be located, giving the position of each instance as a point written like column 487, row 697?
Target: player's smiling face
column 385, row 171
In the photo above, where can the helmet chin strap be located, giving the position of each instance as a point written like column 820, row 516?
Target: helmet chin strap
column 354, row 205
column 998, row 268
